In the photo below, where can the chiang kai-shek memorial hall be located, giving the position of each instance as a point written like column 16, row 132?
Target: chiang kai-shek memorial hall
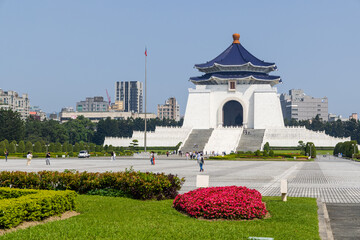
column 233, row 107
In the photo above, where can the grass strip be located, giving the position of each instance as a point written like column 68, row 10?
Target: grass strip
column 122, row 218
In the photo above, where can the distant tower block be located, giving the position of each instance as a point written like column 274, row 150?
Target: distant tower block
column 236, row 90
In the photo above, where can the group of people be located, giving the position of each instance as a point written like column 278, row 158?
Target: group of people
column 29, row 157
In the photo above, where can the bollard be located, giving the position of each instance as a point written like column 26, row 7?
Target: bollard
column 202, row 181
column 283, row 189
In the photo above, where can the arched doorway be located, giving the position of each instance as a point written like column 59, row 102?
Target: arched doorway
column 233, row 114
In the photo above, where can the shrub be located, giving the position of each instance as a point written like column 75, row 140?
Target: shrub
column 18, row 205
column 266, row 153
column 221, row 203
column 271, row 153
column 310, row 149
column 347, row 148
column 138, row 185
column 267, row 147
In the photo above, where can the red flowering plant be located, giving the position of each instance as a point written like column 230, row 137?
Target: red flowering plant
column 221, row 203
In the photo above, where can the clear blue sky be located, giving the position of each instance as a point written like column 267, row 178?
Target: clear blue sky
column 60, row 52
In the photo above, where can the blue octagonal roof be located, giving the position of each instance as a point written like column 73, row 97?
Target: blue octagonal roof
column 236, row 56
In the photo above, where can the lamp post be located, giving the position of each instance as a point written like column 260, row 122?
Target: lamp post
column 353, row 155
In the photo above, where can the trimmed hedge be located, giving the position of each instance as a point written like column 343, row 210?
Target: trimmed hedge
column 259, row 155
column 137, row 185
column 17, row 206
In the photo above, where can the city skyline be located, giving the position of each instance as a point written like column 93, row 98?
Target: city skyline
column 62, row 52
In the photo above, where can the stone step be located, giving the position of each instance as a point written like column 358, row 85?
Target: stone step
column 197, row 140
column 251, row 140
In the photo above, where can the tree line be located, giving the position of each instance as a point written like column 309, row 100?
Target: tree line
column 78, row 130
column 338, row 128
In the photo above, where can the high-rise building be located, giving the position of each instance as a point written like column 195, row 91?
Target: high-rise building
column 12, row 100
column 353, row 116
column 170, row 110
column 95, row 104
column 297, row 105
column 130, row 96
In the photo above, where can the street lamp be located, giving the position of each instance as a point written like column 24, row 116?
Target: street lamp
column 353, row 155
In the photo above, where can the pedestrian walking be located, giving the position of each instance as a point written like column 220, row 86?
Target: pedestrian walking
column 113, row 156
column 47, row 161
column 6, row 152
column 152, row 158
column 29, row 157
column 200, row 161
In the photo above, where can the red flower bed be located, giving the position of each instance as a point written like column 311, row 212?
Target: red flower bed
column 221, row 203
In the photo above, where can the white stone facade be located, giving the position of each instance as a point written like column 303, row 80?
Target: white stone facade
column 260, row 103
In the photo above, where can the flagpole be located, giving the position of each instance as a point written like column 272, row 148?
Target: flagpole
column 145, row 102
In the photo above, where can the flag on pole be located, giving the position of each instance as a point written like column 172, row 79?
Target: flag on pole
column 145, row 51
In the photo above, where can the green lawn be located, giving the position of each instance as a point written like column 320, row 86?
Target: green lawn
column 122, row 218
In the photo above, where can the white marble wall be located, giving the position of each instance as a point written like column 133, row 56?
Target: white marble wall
column 290, row 136
column 161, row 137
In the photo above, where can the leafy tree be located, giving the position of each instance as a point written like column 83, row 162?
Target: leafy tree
column 70, row 148
column 310, row 150
column 267, row 147
column 257, row 153
column 2, row 148
column 271, row 153
column 98, row 148
column 301, row 146
column 28, row 146
column 266, row 153
column 51, row 147
column 58, row 147
column 43, row 146
column 11, row 125
column 110, row 148
column 65, row 147
column 92, row 147
column 12, row 147
column 80, row 129
column 37, row 147
column 21, row 147
column 76, row 147
column 81, row 146
column 6, row 142
column 134, row 144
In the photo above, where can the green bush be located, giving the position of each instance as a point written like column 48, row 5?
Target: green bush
column 267, row 147
column 310, row 149
column 17, row 206
column 138, row 185
column 347, row 148
column 266, row 153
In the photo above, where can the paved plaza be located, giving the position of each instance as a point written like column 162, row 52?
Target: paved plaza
column 333, row 180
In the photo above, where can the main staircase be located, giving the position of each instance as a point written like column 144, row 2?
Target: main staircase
column 197, row 140
column 251, row 140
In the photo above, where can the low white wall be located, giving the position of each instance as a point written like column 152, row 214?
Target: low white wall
column 162, row 137
column 290, row 137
